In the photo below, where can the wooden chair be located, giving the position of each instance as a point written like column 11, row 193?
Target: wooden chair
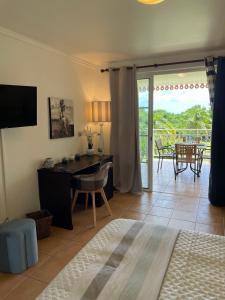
column 91, row 184
column 207, row 153
column 163, row 152
column 198, row 140
column 186, row 154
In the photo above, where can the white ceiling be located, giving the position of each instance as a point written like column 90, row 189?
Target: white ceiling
column 103, row 31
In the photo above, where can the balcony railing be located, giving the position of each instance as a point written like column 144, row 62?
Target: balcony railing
column 173, row 136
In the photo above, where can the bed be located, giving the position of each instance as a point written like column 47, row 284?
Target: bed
column 129, row 259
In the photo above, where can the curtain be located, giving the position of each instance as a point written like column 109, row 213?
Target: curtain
column 124, row 142
column 211, row 78
column 217, row 171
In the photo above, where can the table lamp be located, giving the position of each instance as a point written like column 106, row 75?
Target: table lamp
column 99, row 112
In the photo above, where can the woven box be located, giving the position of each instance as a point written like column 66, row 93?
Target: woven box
column 43, row 220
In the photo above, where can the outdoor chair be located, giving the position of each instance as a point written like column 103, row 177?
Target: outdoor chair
column 92, row 184
column 197, row 140
column 187, row 155
column 207, row 153
column 166, row 151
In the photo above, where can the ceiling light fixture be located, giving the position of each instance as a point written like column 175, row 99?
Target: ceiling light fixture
column 151, row 2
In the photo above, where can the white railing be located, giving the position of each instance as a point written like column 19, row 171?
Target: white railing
column 172, row 136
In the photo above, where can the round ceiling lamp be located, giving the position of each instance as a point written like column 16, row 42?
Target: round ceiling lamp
column 151, row 2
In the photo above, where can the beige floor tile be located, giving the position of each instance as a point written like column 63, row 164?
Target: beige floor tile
column 52, row 244
column 117, row 210
column 211, row 210
column 166, row 196
column 84, row 234
column 182, row 192
column 142, row 208
column 9, row 282
column 64, row 256
column 207, row 218
column 180, row 224
column 42, row 258
column 204, row 202
column 164, row 203
column 147, row 195
column 47, row 271
column 29, row 289
column 104, row 221
column 159, row 188
column 184, row 215
column 213, row 228
column 133, row 215
column 156, row 220
column 161, row 212
column 186, row 206
column 145, row 201
column 61, row 233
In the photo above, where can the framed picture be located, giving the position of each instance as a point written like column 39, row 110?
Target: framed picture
column 61, row 118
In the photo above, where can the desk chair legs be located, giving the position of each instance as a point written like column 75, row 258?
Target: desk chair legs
column 86, row 200
column 93, row 202
column 106, row 202
column 94, row 207
column 75, row 200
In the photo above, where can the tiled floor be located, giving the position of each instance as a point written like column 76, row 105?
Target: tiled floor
column 182, row 204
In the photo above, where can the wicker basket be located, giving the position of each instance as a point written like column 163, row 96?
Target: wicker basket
column 43, row 220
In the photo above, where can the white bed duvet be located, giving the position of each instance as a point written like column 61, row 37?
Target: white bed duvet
column 129, row 260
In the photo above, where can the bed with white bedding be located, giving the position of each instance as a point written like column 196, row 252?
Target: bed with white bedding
column 131, row 260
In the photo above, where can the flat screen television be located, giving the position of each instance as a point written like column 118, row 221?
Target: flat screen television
column 18, row 106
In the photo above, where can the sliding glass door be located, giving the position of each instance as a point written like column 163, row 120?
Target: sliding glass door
column 145, row 105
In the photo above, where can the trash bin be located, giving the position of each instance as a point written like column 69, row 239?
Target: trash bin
column 43, row 220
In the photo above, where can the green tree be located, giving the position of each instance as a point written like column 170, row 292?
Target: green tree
column 196, row 117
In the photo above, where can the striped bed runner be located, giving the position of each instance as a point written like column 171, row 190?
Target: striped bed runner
column 131, row 265
column 136, row 267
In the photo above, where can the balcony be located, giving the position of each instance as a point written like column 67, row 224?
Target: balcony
column 164, row 179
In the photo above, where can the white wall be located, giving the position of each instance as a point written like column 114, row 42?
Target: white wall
column 2, row 186
column 54, row 74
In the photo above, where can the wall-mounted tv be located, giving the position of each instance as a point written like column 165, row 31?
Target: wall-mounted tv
column 18, row 106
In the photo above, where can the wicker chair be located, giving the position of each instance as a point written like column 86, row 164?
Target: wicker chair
column 93, row 183
column 163, row 152
column 188, row 155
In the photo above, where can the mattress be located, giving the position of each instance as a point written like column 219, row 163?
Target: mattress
column 129, row 259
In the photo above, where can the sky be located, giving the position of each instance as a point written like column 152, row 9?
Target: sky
column 177, row 101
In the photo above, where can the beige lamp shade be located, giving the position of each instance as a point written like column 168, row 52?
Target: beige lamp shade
column 99, row 111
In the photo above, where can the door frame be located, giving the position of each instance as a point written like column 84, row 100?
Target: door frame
column 149, row 74
column 150, row 129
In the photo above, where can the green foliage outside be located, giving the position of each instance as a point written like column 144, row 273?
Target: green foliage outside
column 196, row 117
column 193, row 123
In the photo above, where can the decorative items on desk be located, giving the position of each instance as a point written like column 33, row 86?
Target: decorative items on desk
column 77, row 156
column 90, row 136
column 64, row 160
column 48, row 163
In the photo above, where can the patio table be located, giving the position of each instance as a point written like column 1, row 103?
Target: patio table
column 200, row 148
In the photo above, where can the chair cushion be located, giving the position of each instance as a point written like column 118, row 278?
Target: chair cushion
column 88, row 183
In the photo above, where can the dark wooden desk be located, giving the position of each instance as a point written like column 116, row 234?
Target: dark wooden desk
column 55, row 187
